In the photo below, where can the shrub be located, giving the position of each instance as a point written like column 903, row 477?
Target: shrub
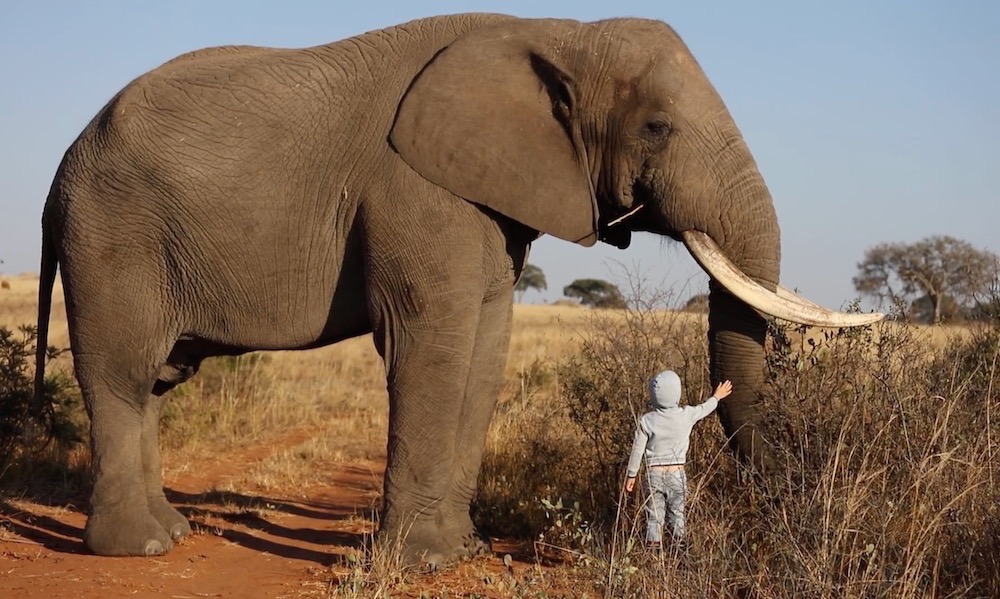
column 887, row 439
column 565, row 442
column 37, row 446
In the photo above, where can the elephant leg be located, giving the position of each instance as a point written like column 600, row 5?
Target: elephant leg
column 426, row 339
column 181, row 366
column 169, row 518
column 481, row 391
column 119, row 345
column 120, row 522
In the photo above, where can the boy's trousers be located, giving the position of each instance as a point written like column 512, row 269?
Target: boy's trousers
column 665, row 495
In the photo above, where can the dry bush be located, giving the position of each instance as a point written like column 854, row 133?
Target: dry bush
column 561, row 424
column 887, row 438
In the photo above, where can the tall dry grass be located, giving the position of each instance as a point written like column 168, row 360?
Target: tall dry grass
column 335, row 395
column 886, row 437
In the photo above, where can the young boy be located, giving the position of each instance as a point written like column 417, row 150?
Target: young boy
column 662, row 437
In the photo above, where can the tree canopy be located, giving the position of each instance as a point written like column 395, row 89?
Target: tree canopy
column 531, row 277
column 939, row 276
column 596, row 293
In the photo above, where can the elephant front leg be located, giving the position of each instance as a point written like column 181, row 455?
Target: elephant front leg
column 481, row 392
column 427, row 355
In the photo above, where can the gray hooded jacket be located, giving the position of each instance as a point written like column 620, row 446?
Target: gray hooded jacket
column 663, row 435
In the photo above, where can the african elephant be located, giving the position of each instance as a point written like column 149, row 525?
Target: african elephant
column 240, row 198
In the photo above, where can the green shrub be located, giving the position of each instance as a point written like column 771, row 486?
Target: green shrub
column 39, row 447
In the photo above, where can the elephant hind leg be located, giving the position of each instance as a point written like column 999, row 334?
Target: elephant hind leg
column 116, row 367
column 120, row 520
column 152, row 470
column 182, row 364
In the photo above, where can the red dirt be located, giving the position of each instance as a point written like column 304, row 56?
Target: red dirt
column 292, row 544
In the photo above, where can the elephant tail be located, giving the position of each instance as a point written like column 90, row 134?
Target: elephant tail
column 46, row 282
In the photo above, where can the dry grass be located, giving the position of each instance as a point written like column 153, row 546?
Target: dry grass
column 888, row 439
column 336, row 393
column 19, row 306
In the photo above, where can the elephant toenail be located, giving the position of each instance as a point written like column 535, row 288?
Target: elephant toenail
column 154, row 547
column 177, row 532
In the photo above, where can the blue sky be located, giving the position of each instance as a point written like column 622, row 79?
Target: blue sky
column 870, row 121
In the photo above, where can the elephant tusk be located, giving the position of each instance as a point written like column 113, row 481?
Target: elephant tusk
column 784, row 304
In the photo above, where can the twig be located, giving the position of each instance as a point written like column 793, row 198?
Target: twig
column 989, row 427
column 550, row 545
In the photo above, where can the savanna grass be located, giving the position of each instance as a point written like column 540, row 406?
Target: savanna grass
column 886, row 438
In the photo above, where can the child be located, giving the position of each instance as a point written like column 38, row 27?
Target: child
column 662, row 437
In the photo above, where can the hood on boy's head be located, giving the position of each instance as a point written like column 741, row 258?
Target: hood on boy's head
column 665, row 390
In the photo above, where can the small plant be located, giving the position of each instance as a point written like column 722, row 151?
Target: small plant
column 568, row 531
column 27, row 440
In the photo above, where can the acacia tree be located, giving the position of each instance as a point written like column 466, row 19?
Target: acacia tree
column 531, row 277
column 940, row 270
column 596, row 293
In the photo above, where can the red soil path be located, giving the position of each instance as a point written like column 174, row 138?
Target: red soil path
column 291, row 544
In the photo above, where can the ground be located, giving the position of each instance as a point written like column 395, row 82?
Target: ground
column 304, row 542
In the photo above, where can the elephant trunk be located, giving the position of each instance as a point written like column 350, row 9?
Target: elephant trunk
column 736, row 331
column 736, row 352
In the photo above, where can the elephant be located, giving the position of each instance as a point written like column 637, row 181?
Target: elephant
column 239, row 198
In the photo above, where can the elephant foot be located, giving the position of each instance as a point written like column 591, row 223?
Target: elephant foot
column 419, row 546
column 465, row 540
column 126, row 532
column 473, row 545
column 169, row 518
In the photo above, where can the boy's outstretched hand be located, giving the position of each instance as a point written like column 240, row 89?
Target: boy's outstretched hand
column 723, row 390
column 630, row 484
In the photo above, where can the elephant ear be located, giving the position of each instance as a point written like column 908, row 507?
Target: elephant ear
column 491, row 119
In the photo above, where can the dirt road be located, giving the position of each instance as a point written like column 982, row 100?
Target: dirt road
column 293, row 544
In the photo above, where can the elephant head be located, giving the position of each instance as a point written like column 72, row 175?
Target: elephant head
column 589, row 131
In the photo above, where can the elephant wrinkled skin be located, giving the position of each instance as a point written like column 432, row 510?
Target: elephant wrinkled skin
column 240, row 198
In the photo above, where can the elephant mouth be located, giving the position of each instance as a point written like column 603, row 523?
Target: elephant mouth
column 614, row 232
column 783, row 303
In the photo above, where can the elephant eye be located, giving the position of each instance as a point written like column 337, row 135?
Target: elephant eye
column 657, row 128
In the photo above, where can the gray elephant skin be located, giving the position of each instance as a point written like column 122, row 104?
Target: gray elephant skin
column 240, row 198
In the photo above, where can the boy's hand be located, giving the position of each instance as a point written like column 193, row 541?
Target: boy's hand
column 630, row 484
column 723, row 390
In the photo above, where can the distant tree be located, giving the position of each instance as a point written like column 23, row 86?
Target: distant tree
column 697, row 303
column 596, row 293
column 934, row 270
column 531, row 277
column 922, row 310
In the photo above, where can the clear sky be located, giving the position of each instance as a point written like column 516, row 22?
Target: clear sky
column 870, row 121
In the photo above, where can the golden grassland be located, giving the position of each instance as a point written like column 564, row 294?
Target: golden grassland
column 338, row 391
column 886, row 441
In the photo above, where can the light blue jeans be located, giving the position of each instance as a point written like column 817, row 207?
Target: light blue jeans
column 665, row 495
